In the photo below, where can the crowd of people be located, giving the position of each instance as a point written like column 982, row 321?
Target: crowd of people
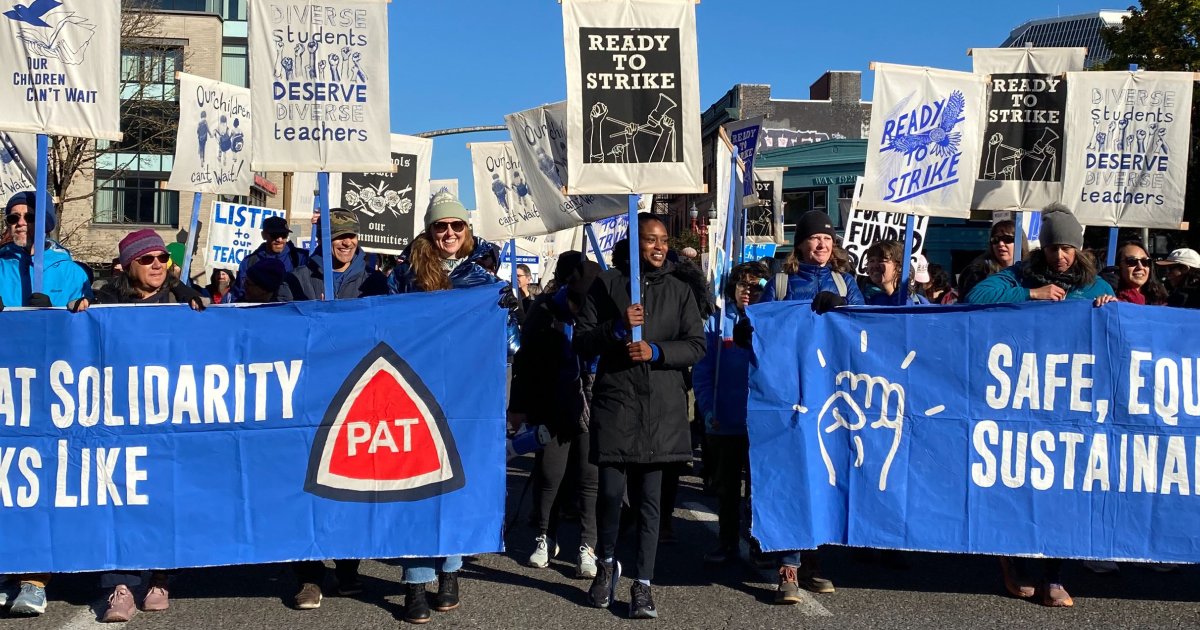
column 631, row 385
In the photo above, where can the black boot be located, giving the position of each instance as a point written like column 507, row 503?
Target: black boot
column 447, row 595
column 416, row 606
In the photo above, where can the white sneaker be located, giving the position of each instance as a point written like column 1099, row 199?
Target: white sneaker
column 1101, row 566
column 540, row 558
column 586, row 566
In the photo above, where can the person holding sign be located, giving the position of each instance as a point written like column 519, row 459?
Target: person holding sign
column 63, row 281
column 884, row 260
column 810, row 272
column 639, row 405
column 275, row 233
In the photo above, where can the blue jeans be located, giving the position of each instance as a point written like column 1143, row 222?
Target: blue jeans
column 425, row 570
column 789, row 558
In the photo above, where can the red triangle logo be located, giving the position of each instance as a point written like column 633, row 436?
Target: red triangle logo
column 383, row 438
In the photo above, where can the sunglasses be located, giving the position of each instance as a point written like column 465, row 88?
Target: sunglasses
column 1131, row 261
column 149, row 259
column 15, row 218
column 275, row 236
column 1006, row 239
column 441, row 226
column 750, row 288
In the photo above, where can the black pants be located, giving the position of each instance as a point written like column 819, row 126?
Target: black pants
column 645, row 485
column 313, row 571
column 562, row 472
column 731, row 455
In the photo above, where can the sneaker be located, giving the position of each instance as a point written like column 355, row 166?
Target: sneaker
column 540, row 558
column 788, row 591
column 309, row 597
column 31, row 600
column 349, row 586
column 721, row 555
column 604, row 585
column 8, row 592
column 156, row 599
column 1013, row 583
column 1055, row 596
column 1101, row 566
column 641, row 602
column 447, row 594
column 416, row 605
column 585, row 567
column 120, row 606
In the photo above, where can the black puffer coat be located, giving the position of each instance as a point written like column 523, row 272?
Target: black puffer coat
column 639, row 410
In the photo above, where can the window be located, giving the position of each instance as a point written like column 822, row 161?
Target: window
column 233, row 10
column 235, row 65
column 148, row 72
column 136, row 199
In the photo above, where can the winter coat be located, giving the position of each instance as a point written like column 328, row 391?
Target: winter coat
column 810, row 280
column 172, row 292
column 469, row 273
column 292, row 258
column 1010, row 286
column 721, row 381
column 548, row 378
column 308, row 282
column 63, row 280
column 875, row 296
column 640, row 410
column 974, row 273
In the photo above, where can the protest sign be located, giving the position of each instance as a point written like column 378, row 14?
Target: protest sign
column 319, row 75
column 539, row 138
column 1026, row 121
column 212, row 154
column 1127, row 141
column 440, row 185
column 633, row 97
column 59, row 64
column 390, row 206
column 744, row 136
column 234, row 232
column 1051, row 429
column 924, row 143
column 504, row 206
column 867, row 227
column 15, row 174
column 245, row 450
column 764, row 222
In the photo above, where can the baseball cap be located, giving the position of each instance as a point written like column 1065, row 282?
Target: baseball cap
column 920, row 268
column 342, row 222
column 276, row 225
column 1182, row 256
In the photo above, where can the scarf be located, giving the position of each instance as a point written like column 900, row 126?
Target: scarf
column 1133, row 295
column 1068, row 281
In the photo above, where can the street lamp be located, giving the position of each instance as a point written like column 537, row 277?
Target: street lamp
column 698, row 228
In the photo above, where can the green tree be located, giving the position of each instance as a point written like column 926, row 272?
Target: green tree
column 1165, row 35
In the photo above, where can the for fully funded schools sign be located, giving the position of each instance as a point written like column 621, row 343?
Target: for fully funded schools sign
column 924, row 144
column 978, row 429
column 319, row 76
column 243, row 450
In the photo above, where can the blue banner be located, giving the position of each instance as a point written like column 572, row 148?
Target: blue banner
column 1049, row 429
column 159, row 437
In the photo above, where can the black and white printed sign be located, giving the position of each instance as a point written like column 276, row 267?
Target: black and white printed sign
column 633, row 120
column 212, row 148
column 1024, row 136
column 390, row 206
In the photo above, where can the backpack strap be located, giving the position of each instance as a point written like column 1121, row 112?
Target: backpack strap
column 840, row 282
column 781, row 286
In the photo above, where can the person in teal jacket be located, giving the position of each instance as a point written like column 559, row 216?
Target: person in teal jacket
column 1058, row 271
column 63, row 280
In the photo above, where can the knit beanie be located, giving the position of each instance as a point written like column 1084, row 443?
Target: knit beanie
column 810, row 223
column 1060, row 227
column 29, row 198
column 445, row 206
column 136, row 244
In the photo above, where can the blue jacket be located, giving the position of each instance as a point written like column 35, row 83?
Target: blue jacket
column 810, row 280
column 1011, row 286
column 875, row 296
column 292, row 257
column 467, row 274
column 62, row 279
column 721, row 381
column 308, row 282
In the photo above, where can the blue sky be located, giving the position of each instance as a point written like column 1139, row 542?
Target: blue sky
column 457, row 63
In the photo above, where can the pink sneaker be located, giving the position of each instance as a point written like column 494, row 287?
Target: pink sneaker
column 120, row 606
column 156, row 598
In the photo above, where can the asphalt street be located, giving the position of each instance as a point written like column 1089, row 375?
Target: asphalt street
column 498, row 591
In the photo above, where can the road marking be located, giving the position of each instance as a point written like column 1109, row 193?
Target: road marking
column 83, row 620
column 808, row 605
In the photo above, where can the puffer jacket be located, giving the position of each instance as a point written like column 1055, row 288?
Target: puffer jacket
column 809, row 280
column 640, row 410
column 63, row 280
column 308, row 282
column 469, row 273
column 875, row 296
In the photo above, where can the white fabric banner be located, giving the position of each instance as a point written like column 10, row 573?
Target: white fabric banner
column 720, row 257
column 633, row 97
column 1026, row 119
column 442, row 185
column 58, row 63
column 924, row 145
column 319, row 75
column 539, row 137
column 390, row 206
column 234, row 231
column 212, row 154
column 1127, row 147
column 504, row 206
column 15, row 174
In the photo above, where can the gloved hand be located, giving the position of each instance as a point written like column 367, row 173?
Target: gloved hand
column 827, row 301
column 743, row 332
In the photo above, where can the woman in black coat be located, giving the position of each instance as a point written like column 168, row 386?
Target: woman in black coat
column 639, row 401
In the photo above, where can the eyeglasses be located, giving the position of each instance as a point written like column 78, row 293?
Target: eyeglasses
column 15, row 218
column 1003, row 238
column 149, row 259
column 749, row 287
column 1132, row 261
column 441, row 226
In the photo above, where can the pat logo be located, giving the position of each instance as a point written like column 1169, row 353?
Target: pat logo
column 384, row 438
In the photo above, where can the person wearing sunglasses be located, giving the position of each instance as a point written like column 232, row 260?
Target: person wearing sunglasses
column 275, row 234
column 998, row 257
column 351, row 276
column 146, row 279
column 63, row 280
column 1133, row 278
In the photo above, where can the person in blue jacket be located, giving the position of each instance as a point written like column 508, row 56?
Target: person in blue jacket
column 884, row 274
column 63, row 280
column 352, row 278
column 811, row 270
column 1060, row 270
column 275, row 233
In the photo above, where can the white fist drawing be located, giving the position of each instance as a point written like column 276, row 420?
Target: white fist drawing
column 881, row 400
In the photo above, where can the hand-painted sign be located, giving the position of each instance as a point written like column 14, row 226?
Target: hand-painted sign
column 234, row 231
column 212, row 152
column 390, row 206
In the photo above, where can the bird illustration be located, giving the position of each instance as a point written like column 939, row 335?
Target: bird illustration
column 944, row 139
column 33, row 13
